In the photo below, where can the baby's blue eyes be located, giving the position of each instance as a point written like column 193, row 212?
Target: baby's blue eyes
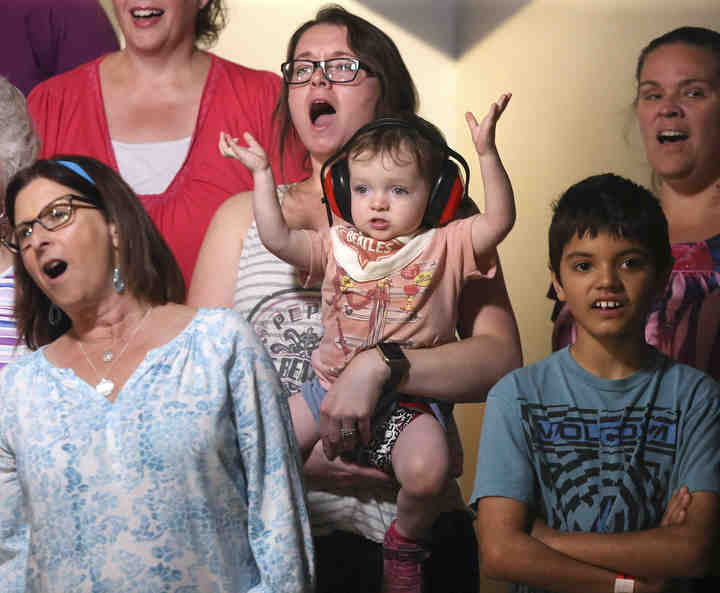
column 364, row 189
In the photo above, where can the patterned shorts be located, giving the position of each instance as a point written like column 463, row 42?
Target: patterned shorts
column 378, row 452
column 387, row 425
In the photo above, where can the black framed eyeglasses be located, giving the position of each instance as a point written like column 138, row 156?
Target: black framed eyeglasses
column 336, row 70
column 57, row 214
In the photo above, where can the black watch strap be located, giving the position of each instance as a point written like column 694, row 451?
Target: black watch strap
column 395, row 358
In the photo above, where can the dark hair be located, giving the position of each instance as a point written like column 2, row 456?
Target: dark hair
column 612, row 204
column 429, row 154
column 151, row 273
column 697, row 36
column 209, row 22
column 375, row 49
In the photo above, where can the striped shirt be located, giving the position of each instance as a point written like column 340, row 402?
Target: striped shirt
column 9, row 349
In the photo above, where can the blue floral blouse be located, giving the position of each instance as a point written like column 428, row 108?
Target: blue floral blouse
column 188, row 483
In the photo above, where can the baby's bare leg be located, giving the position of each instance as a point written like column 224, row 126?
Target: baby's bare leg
column 421, row 462
column 306, row 430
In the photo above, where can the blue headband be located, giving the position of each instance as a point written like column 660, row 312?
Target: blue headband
column 77, row 168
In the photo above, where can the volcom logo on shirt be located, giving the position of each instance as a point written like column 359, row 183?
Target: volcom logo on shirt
column 603, row 469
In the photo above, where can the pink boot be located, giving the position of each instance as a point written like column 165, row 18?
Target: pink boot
column 402, row 563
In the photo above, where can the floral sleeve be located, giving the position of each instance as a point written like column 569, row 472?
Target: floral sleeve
column 13, row 527
column 278, row 524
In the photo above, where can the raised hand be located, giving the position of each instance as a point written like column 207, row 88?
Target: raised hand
column 483, row 133
column 253, row 157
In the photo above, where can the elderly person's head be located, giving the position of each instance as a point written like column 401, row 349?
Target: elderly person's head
column 19, row 143
column 80, row 235
column 381, row 75
column 678, row 106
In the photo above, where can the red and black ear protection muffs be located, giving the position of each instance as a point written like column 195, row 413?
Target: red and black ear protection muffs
column 446, row 194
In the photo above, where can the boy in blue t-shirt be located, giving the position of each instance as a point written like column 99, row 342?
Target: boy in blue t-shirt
column 581, row 453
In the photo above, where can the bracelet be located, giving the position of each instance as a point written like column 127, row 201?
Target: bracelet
column 624, row 584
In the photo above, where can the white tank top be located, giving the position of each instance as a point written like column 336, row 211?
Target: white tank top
column 150, row 167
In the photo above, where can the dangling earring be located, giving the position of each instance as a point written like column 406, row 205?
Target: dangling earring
column 55, row 315
column 118, row 282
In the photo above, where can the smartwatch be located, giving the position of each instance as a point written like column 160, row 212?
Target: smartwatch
column 395, row 358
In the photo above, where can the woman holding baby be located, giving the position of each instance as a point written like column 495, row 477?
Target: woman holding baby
column 351, row 505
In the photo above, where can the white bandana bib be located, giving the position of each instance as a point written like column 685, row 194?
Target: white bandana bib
column 364, row 258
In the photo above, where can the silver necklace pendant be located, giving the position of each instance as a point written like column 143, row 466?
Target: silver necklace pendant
column 105, row 387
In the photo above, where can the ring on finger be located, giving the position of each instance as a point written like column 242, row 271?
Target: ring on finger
column 347, row 433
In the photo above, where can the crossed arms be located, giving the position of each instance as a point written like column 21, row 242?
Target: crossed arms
column 681, row 546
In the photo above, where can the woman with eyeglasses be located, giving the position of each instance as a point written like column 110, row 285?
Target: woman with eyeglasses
column 144, row 445
column 19, row 146
column 153, row 112
column 342, row 72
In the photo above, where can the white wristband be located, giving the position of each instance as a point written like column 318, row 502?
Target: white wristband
column 624, row 584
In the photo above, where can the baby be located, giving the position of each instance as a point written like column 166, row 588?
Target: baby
column 393, row 272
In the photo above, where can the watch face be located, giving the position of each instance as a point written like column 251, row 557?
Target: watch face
column 395, row 358
column 392, row 351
